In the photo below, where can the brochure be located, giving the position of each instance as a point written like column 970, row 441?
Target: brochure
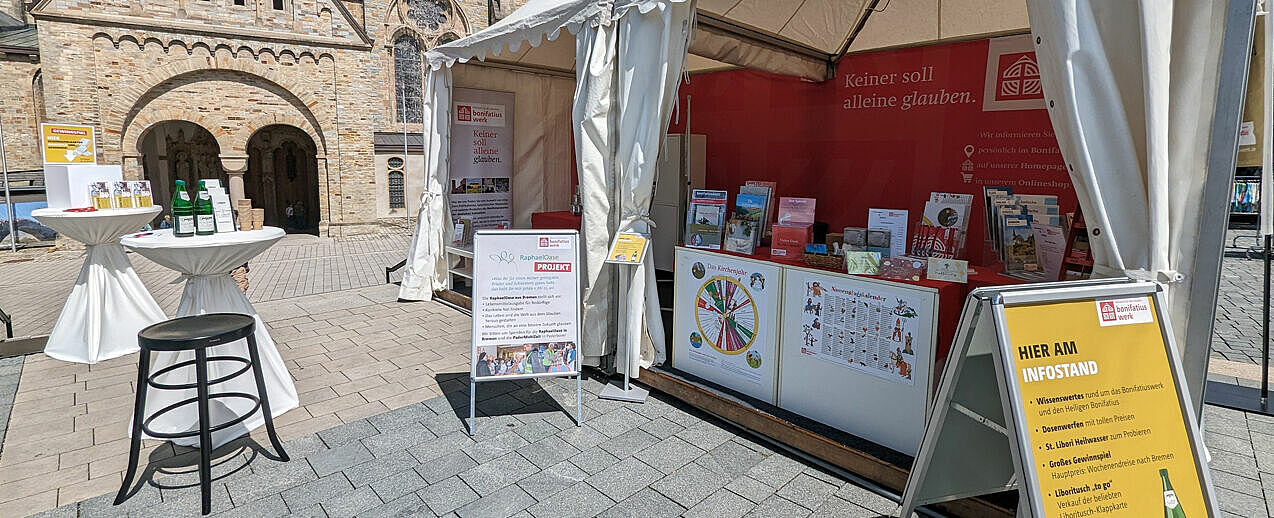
column 751, row 209
column 740, row 236
column 770, row 190
column 1019, row 244
column 1050, row 246
column 895, row 221
column 705, row 219
column 796, row 211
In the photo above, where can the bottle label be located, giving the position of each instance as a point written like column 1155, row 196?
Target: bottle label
column 185, row 224
column 204, row 222
column 1170, row 499
column 183, row 195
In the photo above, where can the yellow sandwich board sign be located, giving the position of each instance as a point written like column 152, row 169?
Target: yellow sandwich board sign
column 68, row 144
column 1071, row 393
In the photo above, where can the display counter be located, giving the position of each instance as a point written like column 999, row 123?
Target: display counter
column 858, row 353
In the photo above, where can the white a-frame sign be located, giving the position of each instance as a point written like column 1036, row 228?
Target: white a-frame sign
column 1071, row 393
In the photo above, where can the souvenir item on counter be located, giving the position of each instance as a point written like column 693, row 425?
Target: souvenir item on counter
column 705, row 219
column 864, row 263
column 205, row 222
column 142, row 196
column 121, row 195
column 878, row 240
column 100, row 194
column 836, row 244
column 183, row 211
column 789, row 241
column 258, row 219
column 855, row 239
column 903, row 268
column 951, row 270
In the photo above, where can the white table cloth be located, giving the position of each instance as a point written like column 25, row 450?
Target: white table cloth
column 109, row 304
column 205, row 263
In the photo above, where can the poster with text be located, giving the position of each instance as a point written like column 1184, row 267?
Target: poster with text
column 68, row 144
column 891, row 127
column 1105, row 430
column 526, row 304
column 870, row 343
column 481, row 158
column 726, row 321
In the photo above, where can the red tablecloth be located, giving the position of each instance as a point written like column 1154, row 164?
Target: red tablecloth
column 562, row 219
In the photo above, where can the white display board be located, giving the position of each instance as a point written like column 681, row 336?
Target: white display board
column 725, row 323
column 526, row 304
column 857, row 354
column 481, row 158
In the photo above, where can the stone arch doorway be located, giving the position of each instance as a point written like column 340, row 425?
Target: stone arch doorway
column 179, row 150
column 282, row 178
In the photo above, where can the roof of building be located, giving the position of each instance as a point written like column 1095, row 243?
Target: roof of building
column 17, row 36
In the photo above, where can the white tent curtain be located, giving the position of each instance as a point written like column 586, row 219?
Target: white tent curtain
column 653, row 37
column 594, row 142
column 426, row 269
column 1129, row 86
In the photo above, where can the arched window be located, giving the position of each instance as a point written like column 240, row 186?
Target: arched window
column 397, row 198
column 407, row 80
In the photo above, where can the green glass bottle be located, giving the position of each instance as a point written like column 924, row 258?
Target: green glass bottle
column 1171, row 506
column 183, row 212
column 205, row 225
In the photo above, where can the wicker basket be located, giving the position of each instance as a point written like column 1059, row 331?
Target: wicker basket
column 825, row 261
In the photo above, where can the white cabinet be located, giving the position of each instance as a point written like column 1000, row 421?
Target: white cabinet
column 680, row 169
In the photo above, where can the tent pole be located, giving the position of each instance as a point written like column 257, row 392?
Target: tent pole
column 8, row 199
column 1236, row 49
column 1265, row 327
column 402, row 103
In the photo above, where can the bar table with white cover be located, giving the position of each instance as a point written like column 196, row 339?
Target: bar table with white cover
column 205, row 263
column 109, row 304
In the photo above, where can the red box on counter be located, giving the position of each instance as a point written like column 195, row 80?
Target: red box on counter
column 788, row 241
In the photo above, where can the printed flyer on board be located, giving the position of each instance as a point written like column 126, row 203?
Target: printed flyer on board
column 525, row 304
column 727, row 321
column 1106, row 430
column 482, row 158
column 864, row 326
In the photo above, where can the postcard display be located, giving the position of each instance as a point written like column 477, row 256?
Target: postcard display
column 857, row 354
column 725, row 321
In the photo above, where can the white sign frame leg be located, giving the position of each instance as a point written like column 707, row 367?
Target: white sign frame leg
column 630, row 392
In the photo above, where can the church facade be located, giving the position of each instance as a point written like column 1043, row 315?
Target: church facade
column 302, row 106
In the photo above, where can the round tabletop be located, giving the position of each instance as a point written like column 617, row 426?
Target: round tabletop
column 96, row 227
column 202, row 255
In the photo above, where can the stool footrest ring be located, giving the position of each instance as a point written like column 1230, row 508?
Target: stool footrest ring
column 256, row 405
column 247, row 366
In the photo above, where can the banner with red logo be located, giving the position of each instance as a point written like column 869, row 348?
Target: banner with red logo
column 891, row 127
column 481, row 158
column 526, row 303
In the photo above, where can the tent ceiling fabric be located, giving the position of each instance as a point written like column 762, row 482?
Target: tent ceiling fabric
column 790, row 37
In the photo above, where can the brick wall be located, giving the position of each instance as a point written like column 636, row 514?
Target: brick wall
column 18, row 111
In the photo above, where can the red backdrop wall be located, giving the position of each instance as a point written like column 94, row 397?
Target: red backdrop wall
column 892, row 127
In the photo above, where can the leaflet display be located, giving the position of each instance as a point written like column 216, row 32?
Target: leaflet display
column 725, row 323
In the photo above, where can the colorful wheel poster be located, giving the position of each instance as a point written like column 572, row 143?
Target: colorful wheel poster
column 726, row 321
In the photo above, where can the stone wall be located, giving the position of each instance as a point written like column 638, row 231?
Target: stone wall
column 19, row 110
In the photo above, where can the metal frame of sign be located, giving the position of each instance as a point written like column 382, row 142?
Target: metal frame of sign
column 1007, row 425
column 578, row 373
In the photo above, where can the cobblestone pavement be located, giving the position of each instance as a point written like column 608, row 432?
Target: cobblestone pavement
column 35, row 283
column 379, row 431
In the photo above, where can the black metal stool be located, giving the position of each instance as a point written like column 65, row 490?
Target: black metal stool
column 196, row 333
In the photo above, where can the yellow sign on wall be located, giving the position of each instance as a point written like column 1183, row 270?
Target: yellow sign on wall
column 68, row 144
column 1106, row 430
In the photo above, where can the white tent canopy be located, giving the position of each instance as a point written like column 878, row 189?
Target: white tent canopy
column 1145, row 169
